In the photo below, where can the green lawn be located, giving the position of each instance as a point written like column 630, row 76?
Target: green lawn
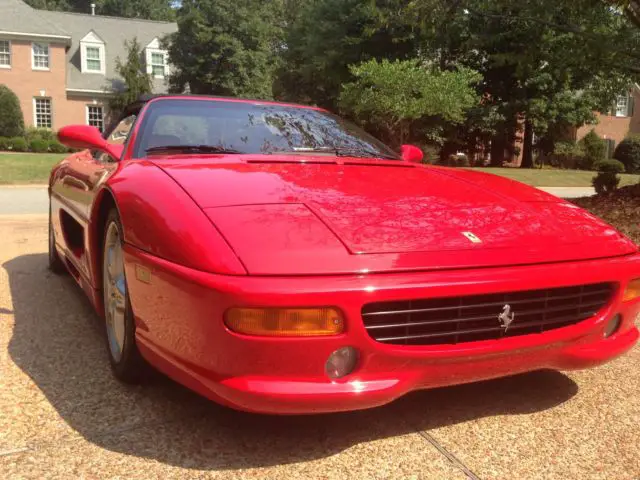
column 23, row 168
column 554, row 178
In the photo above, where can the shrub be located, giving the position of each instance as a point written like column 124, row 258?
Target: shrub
column 567, row 155
column 609, row 166
column 456, row 160
column 605, row 182
column 39, row 145
column 628, row 152
column 595, row 149
column 56, row 147
column 11, row 119
column 4, row 143
column 18, row 144
column 33, row 133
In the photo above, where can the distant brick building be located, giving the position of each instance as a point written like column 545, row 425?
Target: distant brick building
column 614, row 125
column 62, row 65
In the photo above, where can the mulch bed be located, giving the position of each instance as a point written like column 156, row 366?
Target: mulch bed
column 621, row 209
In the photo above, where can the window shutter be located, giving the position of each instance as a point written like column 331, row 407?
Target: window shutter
column 630, row 105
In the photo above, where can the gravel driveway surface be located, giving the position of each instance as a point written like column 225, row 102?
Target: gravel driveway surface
column 62, row 415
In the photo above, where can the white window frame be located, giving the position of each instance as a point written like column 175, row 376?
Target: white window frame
column 100, row 46
column 622, row 106
column 33, row 56
column 94, row 105
column 150, row 64
column 35, row 112
column 10, row 53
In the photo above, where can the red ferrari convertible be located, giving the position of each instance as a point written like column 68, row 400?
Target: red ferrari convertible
column 276, row 258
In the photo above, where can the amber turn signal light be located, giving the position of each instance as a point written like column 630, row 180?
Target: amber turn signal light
column 285, row 322
column 632, row 291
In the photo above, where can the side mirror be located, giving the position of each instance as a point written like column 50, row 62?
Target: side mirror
column 411, row 153
column 86, row 136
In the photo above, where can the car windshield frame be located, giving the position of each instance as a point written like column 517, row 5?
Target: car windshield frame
column 281, row 129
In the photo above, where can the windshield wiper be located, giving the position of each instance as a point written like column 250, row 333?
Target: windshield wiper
column 191, row 149
column 344, row 152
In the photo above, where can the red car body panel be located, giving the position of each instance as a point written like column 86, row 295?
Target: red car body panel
column 204, row 233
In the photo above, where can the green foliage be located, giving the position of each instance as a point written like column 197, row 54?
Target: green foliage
column 628, row 152
column 11, row 119
column 327, row 36
column 609, row 165
column 32, row 133
column 18, row 144
column 456, row 160
column 56, row 147
column 4, row 143
column 147, row 9
column 605, row 182
column 595, row 150
column 39, row 145
column 132, row 71
column 226, row 47
column 567, row 155
column 399, row 93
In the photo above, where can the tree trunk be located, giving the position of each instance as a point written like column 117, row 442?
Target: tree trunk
column 527, row 146
column 497, row 150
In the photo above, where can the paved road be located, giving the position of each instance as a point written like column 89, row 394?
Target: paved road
column 23, row 200
column 33, row 199
column 62, row 415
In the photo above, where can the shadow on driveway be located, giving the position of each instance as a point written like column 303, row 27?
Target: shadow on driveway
column 58, row 342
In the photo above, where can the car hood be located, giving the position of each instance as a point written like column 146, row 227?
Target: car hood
column 286, row 217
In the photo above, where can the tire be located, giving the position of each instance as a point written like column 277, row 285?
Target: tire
column 55, row 262
column 126, row 362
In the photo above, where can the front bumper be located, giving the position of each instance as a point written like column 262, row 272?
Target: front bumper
column 180, row 330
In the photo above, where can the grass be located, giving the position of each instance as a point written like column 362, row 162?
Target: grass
column 25, row 168
column 554, row 178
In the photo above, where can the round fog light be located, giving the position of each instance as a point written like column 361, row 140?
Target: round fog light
column 341, row 362
column 612, row 326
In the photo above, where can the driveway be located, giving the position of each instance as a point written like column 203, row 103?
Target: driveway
column 62, row 415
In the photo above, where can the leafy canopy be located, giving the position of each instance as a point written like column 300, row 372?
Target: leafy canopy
column 396, row 93
column 147, row 9
column 136, row 81
column 225, row 47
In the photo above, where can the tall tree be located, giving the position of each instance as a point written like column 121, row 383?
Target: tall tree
column 146, row 9
column 136, row 81
column 545, row 64
column 226, row 47
column 329, row 35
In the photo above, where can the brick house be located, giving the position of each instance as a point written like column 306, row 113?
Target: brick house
column 617, row 123
column 62, row 65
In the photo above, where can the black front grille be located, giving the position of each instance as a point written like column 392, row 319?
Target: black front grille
column 451, row 320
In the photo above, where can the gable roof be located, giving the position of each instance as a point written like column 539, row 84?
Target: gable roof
column 16, row 17
column 113, row 31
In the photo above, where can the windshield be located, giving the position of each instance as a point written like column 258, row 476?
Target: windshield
column 252, row 128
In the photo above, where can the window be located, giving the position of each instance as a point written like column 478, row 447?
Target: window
column 253, row 128
column 95, row 116
column 42, row 112
column 92, row 55
column 40, row 59
column 5, row 53
column 623, row 106
column 157, row 64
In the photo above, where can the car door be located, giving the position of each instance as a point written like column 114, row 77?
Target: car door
column 74, row 191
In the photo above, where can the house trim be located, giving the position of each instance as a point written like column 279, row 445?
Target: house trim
column 39, row 36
